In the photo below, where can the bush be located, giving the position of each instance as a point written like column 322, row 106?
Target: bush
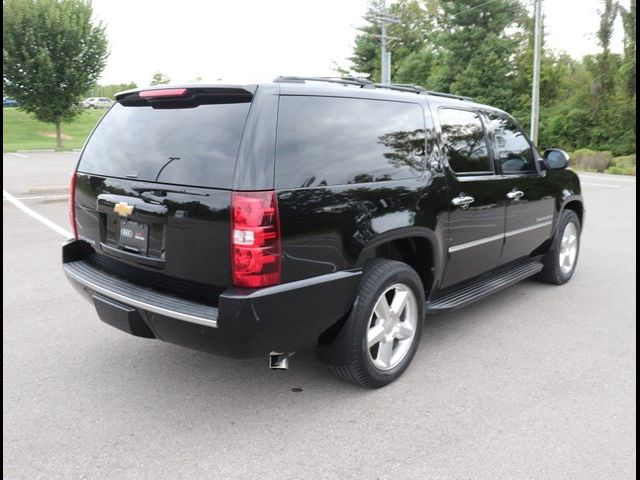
column 586, row 159
column 623, row 165
column 621, row 170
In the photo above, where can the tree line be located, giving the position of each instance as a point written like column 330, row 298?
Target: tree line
column 485, row 50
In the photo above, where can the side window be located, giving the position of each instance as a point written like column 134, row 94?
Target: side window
column 512, row 148
column 464, row 141
column 336, row 141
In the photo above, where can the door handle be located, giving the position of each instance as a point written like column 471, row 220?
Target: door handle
column 515, row 195
column 463, row 201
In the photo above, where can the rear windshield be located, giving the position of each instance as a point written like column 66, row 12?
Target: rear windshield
column 186, row 146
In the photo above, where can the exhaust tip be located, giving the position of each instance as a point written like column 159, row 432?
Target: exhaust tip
column 280, row 360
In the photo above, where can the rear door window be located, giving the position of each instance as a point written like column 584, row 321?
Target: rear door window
column 336, row 141
column 464, row 141
column 186, row 146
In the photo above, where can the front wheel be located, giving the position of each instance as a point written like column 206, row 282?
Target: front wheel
column 384, row 327
column 561, row 259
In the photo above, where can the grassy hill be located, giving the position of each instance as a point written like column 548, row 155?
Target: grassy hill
column 21, row 132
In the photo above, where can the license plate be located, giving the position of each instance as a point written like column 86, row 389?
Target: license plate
column 133, row 236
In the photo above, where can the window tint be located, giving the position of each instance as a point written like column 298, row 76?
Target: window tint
column 334, row 141
column 464, row 142
column 513, row 149
column 191, row 146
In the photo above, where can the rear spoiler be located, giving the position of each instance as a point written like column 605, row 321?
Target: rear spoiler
column 186, row 96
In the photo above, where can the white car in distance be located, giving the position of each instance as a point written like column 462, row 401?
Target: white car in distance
column 97, row 102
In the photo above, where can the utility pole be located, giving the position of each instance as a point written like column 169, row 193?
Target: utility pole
column 383, row 18
column 535, row 89
column 385, row 75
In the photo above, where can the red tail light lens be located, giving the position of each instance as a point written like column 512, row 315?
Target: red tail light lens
column 255, row 239
column 162, row 93
column 72, row 204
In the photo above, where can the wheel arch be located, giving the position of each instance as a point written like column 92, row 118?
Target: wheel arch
column 576, row 204
column 415, row 246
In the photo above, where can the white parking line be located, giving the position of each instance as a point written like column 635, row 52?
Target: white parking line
column 19, row 154
column 45, row 221
column 607, row 185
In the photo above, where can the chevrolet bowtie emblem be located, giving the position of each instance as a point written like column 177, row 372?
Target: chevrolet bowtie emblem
column 123, row 209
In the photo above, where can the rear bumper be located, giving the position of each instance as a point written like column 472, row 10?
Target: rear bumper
column 245, row 323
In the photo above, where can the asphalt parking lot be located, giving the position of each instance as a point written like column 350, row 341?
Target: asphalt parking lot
column 536, row 382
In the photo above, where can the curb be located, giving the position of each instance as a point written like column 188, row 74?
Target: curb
column 46, row 150
column 49, row 189
column 49, row 150
column 55, row 199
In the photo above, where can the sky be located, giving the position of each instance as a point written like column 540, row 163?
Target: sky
column 242, row 40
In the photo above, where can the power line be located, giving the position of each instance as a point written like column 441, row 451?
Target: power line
column 473, row 8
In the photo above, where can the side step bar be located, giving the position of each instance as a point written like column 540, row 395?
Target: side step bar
column 483, row 287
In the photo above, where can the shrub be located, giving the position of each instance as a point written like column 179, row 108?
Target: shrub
column 623, row 165
column 621, row 170
column 586, row 159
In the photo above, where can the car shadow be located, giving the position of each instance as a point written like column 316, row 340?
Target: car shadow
column 152, row 364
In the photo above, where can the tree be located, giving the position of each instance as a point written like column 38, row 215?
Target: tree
column 485, row 50
column 53, row 53
column 417, row 67
column 629, row 65
column 110, row 90
column 416, row 23
column 604, row 80
column 480, row 48
column 159, row 78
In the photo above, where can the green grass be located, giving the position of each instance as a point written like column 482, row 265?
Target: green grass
column 21, row 131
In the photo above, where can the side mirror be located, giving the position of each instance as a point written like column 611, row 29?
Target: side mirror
column 556, row 159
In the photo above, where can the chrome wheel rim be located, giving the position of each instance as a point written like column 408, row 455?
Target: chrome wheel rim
column 568, row 248
column 392, row 327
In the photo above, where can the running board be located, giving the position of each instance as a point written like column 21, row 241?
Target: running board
column 483, row 287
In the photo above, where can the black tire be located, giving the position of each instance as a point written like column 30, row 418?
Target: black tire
column 358, row 366
column 552, row 273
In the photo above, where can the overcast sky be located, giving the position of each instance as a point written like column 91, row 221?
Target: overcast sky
column 252, row 40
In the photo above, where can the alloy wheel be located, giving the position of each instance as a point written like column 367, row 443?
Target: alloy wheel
column 392, row 327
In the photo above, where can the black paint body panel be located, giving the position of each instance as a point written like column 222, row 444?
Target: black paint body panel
column 328, row 232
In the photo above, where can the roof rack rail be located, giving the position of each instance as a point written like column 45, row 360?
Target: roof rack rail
column 448, row 95
column 366, row 83
column 411, row 87
column 346, row 80
column 403, row 87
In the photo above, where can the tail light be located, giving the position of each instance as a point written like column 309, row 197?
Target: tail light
column 165, row 92
column 255, row 239
column 72, row 205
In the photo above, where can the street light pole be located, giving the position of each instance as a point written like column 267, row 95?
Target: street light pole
column 535, row 89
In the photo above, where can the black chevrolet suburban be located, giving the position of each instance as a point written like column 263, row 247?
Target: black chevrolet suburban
column 251, row 220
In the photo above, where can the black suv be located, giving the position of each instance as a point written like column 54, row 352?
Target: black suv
column 259, row 219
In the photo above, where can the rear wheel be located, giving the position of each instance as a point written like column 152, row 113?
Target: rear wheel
column 561, row 259
column 384, row 326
